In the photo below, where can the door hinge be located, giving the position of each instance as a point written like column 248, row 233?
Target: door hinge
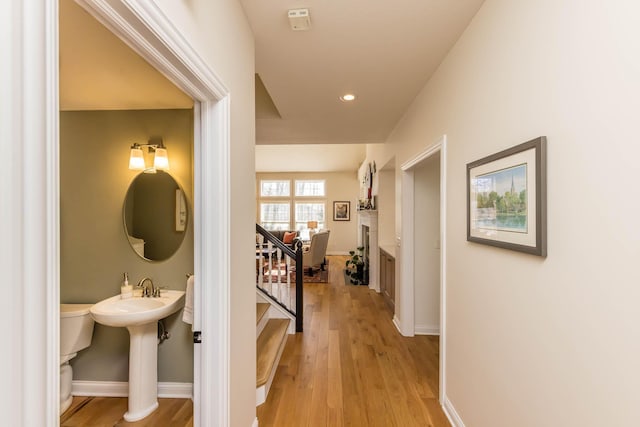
column 197, row 337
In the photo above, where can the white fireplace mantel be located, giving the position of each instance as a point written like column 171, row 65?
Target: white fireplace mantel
column 369, row 218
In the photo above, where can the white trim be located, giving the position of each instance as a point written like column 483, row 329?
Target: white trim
column 255, row 423
column 443, row 267
column 121, row 389
column 406, row 291
column 423, row 155
column 426, row 330
column 34, row 196
column 396, row 323
column 451, row 413
column 146, row 29
column 52, row 137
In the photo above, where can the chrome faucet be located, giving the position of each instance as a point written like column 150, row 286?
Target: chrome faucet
column 147, row 291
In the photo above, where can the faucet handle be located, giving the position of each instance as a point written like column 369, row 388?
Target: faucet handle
column 156, row 291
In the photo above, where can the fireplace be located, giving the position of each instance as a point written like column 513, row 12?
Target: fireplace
column 365, row 253
column 368, row 238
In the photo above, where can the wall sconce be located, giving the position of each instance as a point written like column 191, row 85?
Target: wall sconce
column 160, row 157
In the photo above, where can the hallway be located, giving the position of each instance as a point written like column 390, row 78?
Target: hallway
column 351, row 366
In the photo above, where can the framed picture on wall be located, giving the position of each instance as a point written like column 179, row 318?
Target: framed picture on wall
column 507, row 199
column 342, row 211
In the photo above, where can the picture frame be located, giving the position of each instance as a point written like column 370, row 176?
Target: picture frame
column 507, row 198
column 342, row 211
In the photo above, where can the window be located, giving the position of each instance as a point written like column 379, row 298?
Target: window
column 275, row 216
column 310, row 188
column 309, row 211
column 281, row 210
column 275, row 188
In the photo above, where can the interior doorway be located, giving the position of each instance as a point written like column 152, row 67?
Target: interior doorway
column 146, row 30
column 423, row 248
column 426, row 250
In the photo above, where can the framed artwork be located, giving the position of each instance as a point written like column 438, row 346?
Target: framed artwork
column 342, row 211
column 507, row 198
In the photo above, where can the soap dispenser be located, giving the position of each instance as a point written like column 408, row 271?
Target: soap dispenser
column 126, row 290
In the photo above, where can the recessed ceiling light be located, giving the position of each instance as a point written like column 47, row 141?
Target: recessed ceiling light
column 347, row 97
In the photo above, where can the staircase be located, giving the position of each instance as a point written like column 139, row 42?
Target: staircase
column 272, row 337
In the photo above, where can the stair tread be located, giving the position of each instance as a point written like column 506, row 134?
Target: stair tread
column 261, row 310
column 268, row 345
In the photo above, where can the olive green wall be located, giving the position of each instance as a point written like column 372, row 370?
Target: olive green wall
column 94, row 179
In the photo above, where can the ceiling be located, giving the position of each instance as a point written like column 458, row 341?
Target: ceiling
column 309, row 158
column 100, row 72
column 381, row 52
column 384, row 52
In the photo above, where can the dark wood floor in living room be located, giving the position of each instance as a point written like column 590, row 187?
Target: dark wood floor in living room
column 351, row 367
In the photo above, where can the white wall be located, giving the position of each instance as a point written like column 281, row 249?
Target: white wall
column 340, row 186
column 534, row 341
column 427, row 246
column 221, row 35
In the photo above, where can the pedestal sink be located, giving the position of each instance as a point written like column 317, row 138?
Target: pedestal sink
column 140, row 316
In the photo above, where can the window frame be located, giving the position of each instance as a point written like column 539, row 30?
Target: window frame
column 316, row 196
column 292, row 199
column 275, row 196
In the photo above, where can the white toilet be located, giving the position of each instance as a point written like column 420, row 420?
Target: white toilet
column 76, row 330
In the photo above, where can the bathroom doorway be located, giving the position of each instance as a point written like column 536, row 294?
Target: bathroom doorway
column 148, row 34
column 111, row 98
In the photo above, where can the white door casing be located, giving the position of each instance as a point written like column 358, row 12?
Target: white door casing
column 30, row 113
column 405, row 293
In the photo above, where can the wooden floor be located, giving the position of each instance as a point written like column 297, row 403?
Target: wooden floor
column 351, row 367
column 108, row 412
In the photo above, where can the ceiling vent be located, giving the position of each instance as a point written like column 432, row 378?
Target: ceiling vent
column 300, row 19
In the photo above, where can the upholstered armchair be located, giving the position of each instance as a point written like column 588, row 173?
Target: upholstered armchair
column 314, row 257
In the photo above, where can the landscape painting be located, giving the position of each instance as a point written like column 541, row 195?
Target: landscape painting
column 507, row 198
column 501, row 198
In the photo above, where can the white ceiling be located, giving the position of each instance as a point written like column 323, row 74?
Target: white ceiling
column 382, row 51
column 309, row 158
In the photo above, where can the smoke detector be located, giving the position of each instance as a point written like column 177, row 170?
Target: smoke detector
column 299, row 19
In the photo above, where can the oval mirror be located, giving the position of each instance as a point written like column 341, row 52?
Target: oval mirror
column 155, row 215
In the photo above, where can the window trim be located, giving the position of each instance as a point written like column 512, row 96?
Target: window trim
column 292, row 199
column 287, row 196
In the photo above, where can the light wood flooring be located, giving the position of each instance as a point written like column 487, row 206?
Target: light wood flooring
column 108, row 412
column 351, row 367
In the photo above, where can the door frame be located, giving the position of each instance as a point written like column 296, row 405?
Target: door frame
column 405, row 317
column 147, row 30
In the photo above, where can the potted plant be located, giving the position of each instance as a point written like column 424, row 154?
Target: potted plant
column 355, row 266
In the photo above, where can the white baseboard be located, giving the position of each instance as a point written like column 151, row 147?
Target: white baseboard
column 396, row 322
column 426, row 330
column 255, row 423
column 451, row 413
column 121, row 389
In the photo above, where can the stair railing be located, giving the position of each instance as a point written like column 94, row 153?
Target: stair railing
column 279, row 273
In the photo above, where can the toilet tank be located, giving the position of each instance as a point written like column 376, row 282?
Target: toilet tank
column 76, row 328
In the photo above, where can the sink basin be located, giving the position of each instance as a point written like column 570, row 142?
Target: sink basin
column 115, row 311
column 140, row 316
